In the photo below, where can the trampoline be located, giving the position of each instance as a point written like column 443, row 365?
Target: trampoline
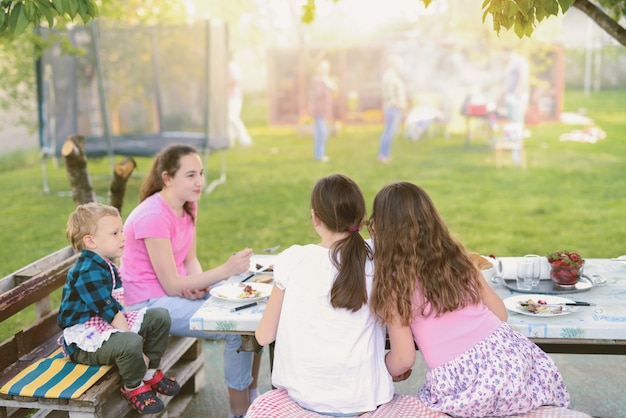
column 132, row 90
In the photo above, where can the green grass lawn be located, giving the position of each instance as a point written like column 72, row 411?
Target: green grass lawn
column 572, row 196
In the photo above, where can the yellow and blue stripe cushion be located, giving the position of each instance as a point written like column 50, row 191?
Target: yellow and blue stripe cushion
column 54, row 377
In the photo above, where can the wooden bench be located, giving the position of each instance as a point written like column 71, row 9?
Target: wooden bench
column 33, row 284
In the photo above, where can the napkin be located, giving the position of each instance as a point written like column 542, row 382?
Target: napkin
column 509, row 267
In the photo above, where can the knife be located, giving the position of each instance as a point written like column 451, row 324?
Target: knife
column 559, row 304
column 261, row 270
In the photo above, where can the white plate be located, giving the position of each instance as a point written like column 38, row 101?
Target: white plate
column 233, row 291
column 512, row 304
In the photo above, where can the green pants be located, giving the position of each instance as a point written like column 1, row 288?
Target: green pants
column 126, row 349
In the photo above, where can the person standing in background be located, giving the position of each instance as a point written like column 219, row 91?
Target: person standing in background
column 394, row 103
column 516, row 96
column 516, row 87
column 321, row 108
column 236, row 128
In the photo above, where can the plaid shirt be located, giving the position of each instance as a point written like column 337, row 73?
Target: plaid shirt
column 88, row 291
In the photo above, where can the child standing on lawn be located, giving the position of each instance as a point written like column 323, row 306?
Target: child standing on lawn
column 428, row 291
column 330, row 349
column 96, row 329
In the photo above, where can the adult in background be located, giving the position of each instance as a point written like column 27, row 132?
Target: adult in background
column 236, row 128
column 516, row 96
column 516, row 87
column 160, row 267
column 394, row 103
column 321, row 108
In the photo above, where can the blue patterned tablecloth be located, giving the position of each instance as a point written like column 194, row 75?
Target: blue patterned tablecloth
column 604, row 321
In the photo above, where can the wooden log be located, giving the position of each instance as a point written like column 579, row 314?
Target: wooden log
column 121, row 173
column 73, row 152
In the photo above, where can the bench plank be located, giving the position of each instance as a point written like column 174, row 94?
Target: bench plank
column 25, row 294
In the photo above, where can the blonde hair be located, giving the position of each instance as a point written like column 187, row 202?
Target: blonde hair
column 413, row 250
column 84, row 221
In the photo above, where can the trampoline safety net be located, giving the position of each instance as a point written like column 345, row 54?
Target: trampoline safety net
column 132, row 90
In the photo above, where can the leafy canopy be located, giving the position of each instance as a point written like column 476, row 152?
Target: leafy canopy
column 523, row 15
column 17, row 15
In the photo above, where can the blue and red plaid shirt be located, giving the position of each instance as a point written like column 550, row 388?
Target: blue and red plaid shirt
column 88, row 291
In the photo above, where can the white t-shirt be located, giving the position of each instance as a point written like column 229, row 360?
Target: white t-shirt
column 329, row 360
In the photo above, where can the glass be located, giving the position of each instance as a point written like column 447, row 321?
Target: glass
column 536, row 268
column 525, row 268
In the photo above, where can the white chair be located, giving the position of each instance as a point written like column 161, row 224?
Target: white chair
column 512, row 139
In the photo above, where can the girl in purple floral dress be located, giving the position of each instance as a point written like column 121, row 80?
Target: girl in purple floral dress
column 428, row 291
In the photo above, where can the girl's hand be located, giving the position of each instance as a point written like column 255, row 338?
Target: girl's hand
column 403, row 376
column 193, row 294
column 239, row 262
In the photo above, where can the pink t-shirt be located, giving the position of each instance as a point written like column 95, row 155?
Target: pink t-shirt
column 152, row 218
column 441, row 339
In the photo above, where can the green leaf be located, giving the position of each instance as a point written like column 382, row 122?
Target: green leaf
column 308, row 11
column 540, row 14
column 551, row 8
column 18, row 20
column 523, row 5
column 2, row 18
column 92, row 9
column 513, row 9
column 82, row 12
column 58, row 5
column 73, row 8
column 47, row 10
column 565, row 4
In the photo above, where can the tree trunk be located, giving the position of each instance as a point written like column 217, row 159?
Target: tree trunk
column 603, row 20
column 121, row 174
column 73, row 152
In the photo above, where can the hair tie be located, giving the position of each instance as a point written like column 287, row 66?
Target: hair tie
column 354, row 228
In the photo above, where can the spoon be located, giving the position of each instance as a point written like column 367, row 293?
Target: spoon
column 597, row 279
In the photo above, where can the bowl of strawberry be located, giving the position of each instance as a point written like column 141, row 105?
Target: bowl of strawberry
column 565, row 268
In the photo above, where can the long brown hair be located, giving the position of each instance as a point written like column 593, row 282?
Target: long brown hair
column 166, row 161
column 413, row 247
column 338, row 202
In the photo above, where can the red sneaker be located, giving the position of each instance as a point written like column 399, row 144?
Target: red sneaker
column 143, row 400
column 163, row 384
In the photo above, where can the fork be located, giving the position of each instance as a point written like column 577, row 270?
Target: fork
column 267, row 250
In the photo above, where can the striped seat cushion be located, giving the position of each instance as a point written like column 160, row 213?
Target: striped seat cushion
column 54, row 377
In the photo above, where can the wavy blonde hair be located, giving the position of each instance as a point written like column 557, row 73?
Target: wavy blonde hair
column 413, row 249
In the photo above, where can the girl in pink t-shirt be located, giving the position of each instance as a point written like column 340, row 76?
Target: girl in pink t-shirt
column 160, row 265
column 428, row 291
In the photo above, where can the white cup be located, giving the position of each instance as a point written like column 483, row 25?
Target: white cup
column 525, row 271
column 536, row 267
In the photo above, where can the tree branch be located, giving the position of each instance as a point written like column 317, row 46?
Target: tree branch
column 603, row 20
